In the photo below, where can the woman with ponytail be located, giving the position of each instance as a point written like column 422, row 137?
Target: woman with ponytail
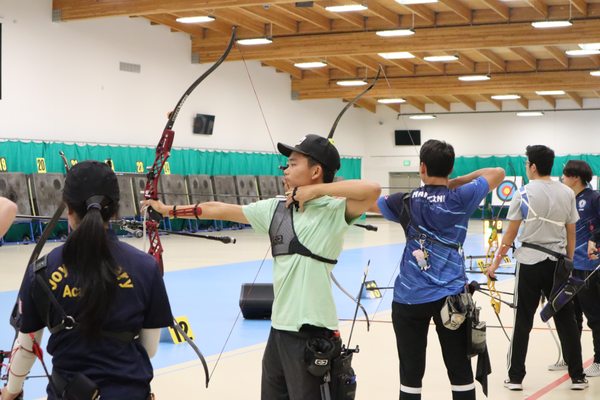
column 107, row 307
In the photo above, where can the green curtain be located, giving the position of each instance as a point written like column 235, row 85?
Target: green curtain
column 20, row 156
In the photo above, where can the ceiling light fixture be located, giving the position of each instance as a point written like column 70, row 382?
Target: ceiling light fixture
column 551, row 24
column 195, row 20
column 474, row 78
column 423, row 116
column 409, row 2
column 506, row 97
column 310, row 64
column 352, row 82
column 530, row 114
column 590, row 46
column 395, row 32
column 444, row 58
column 549, row 92
column 595, row 73
column 347, row 8
column 582, row 52
column 396, row 55
column 255, row 41
column 391, row 101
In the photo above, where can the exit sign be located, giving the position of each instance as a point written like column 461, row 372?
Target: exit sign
column 406, row 163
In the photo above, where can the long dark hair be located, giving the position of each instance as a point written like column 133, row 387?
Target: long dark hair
column 86, row 252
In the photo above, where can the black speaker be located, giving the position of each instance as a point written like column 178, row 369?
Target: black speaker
column 407, row 138
column 203, row 124
column 256, row 300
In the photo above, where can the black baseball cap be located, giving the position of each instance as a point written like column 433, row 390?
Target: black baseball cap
column 316, row 147
column 90, row 178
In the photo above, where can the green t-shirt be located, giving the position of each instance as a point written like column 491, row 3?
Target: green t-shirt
column 301, row 284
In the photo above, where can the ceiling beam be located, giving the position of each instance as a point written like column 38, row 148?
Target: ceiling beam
column 81, row 9
column 343, row 65
column 384, row 13
column 440, row 102
column 402, row 64
column 272, row 15
column 449, row 85
column 416, row 103
column 523, row 102
column 446, row 39
column 493, row 58
column 366, row 103
column 396, row 107
column 559, row 55
column 539, row 6
column 306, row 15
column 576, row 98
column 467, row 101
column 495, row 103
column 459, row 9
column 424, row 12
column 466, row 62
column 366, row 61
column 239, row 19
column 499, row 7
column 550, row 100
column 581, row 6
column 525, row 56
column 285, row 66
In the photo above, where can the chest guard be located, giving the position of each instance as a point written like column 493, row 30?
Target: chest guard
column 529, row 213
column 284, row 240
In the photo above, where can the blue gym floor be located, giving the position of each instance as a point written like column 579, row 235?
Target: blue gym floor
column 209, row 298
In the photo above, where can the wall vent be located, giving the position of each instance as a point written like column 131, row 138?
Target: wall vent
column 129, row 67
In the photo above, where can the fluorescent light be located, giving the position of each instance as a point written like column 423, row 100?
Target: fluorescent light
column 440, row 58
column 355, row 82
column 409, row 2
column 347, row 8
column 395, row 32
column 582, row 52
column 310, row 64
column 423, row 116
column 551, row 24
column 195, row 20
column 530, row 114
column 254, row 41
column 549, row 92
column 396, row 55
column 506, row 97
column 590, row 46
column 595, row 73
column 474, row 78
column 391, row 101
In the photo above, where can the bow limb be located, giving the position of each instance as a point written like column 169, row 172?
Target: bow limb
column 355, row 300
column 190, row 341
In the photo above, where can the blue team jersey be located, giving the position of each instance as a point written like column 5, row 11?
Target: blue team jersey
column 121, row 370
column 441, row 214
column 588, row 206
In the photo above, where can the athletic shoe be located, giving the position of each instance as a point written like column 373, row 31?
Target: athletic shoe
column 592, row 370
column 513, row 385
column 558, row 366
column 579, row 384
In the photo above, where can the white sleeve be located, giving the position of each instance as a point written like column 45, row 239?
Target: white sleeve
column 22, row 360
column 149, row 339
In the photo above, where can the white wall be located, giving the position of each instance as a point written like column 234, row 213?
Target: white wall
column 61, row 81
column 480, row 135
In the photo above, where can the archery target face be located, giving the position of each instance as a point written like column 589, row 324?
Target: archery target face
column 505, row 191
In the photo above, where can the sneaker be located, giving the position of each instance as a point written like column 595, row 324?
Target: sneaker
column 558, row 366
column 510, row 385
column 592, row 370
column 579, row 384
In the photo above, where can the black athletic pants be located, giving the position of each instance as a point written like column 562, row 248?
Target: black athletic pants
column 284, row 373
column 531, row 281
column 587, row 302
column 411, row 325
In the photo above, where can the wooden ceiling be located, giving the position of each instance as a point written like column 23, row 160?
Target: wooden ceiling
column 492, row 37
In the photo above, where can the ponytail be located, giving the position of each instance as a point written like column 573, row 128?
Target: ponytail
column 87, row 256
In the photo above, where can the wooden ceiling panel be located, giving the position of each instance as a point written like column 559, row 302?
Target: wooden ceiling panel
column 489, row 36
